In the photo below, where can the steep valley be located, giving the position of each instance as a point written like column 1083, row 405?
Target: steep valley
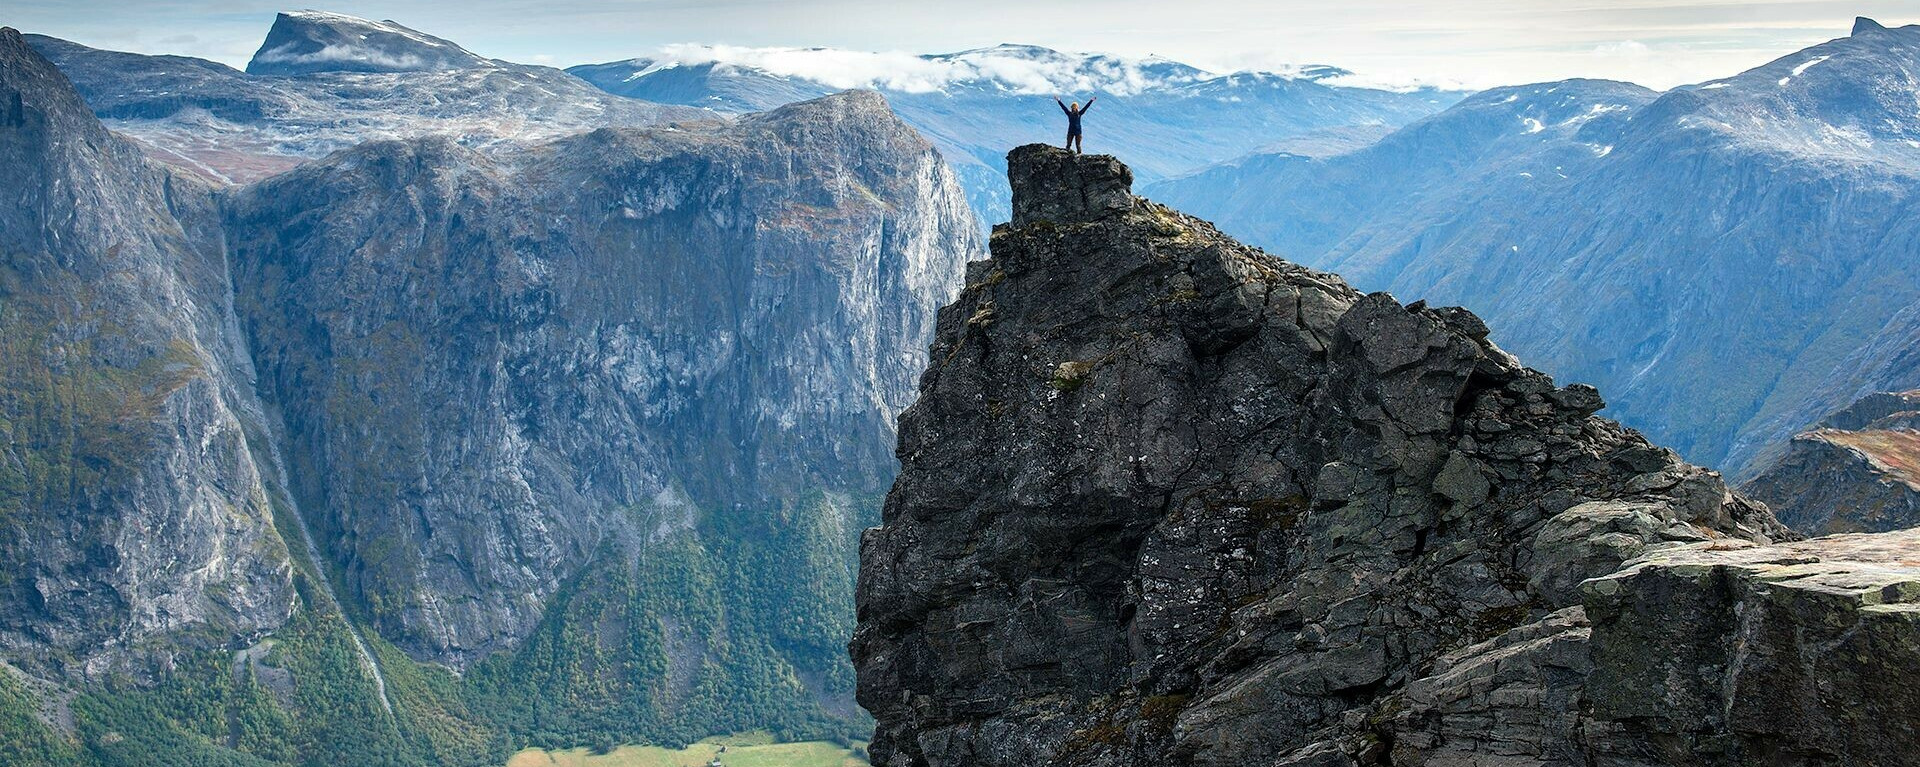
column 428, row 451
column 389, row 404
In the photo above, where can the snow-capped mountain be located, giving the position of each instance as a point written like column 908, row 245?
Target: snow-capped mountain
column 323, row 82
column 1007, row 68
column 1852, row 100
column 1164, row 117
column 1729, row 260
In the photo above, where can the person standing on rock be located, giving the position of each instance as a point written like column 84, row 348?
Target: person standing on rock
column 1074, row 112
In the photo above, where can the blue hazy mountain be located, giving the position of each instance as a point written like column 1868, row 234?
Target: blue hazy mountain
column 1729, row 261
column 1165, row 118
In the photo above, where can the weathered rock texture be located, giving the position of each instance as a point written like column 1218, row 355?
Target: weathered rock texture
column 1793, row 654
column 132, row 510
column 488, row 370
column 1857, row 471
column 594, row 422
column 1166, row 499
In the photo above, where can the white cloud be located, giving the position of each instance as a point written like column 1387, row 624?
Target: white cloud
column 836, row 68
column 1014, row 68
column 1622, row 48
column 339, row 53
column 1479, row 42
column 1396, row 82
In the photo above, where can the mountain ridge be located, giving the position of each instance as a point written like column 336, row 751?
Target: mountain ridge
column 975, row 103
column 1858, row 470
column 305, row 42
column 1790, row 185
column 233, row 127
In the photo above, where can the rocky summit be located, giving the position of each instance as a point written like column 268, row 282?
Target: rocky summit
column 1167, row 499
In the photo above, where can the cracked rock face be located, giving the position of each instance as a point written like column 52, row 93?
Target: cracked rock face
column 1730, row 654
column 482, row 380
column 1167, row 499
column 132, row 512
column 489, row 369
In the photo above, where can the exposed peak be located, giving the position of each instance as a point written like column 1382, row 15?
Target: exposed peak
column 12, row 40
column 857, row 103
column 35, row 95
column 1014, row 48
column 1864, row 24
column 1055, row 185
column 304, row 42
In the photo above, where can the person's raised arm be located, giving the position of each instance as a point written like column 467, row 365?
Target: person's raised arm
column 1063, row 105
column 1083, row 110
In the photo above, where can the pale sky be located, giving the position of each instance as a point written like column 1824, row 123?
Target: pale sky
column 1477, row 43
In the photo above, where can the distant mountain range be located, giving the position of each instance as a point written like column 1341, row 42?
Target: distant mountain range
column 324, row 82
column 1167, row 118
column 1729, row 261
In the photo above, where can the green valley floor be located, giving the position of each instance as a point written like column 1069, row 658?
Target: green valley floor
column 752, row 750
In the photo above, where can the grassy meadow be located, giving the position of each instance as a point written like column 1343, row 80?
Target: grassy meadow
column 752, row 750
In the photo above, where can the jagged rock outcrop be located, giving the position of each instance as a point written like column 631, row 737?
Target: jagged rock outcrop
column 134, row 518
column 1715, row 653
column 1166, row 499
column 1857, row 471
column 1728, row 654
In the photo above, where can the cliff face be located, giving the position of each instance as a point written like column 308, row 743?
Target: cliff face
column 424, row 452
column 1857, row 471
column 488, row 370
column 1168, row 500
column 132, row 509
